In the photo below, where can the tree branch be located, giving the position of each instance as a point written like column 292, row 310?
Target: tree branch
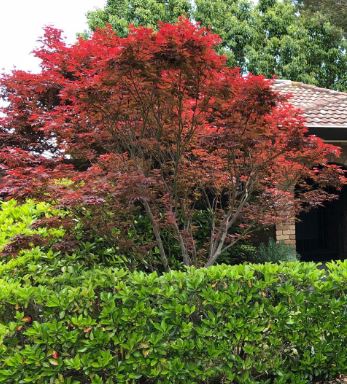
column 156, row 231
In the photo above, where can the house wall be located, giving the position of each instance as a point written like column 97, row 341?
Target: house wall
column 286, row 232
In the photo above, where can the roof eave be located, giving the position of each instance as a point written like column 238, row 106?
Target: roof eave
column 329, row 132
column 320, row 126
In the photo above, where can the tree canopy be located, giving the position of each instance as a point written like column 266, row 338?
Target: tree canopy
column 335, row 10
column 156, row 124
column 269, row 38
column 138, row 12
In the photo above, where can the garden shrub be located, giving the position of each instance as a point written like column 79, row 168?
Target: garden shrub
column 271, row 323
column 240, row 253
column 16, row 220
column 29, row 238
column 271, row 252
column 274, row 252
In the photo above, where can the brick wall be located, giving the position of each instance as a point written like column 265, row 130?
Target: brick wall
column 286, row 233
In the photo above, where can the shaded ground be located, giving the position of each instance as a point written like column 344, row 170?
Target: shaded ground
column 340, row 380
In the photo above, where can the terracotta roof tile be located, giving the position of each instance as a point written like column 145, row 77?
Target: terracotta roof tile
column 322, row 107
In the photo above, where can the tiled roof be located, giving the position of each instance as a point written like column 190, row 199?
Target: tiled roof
column 322, row 107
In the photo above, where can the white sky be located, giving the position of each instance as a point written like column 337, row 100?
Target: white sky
column 21, row 23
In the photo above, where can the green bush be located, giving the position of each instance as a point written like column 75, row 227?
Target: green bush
column 17, row 219
column 240, row 253
column 19, row 236
column 272, row 323
column 26, row 229
column 275, row 252
column 271, row 252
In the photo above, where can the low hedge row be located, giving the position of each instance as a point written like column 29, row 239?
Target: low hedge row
column 243, row 324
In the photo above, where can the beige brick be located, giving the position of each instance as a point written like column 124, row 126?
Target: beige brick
column 283, row 238
column 285, row 232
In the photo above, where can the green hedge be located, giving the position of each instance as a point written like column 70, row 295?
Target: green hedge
column 243, row 324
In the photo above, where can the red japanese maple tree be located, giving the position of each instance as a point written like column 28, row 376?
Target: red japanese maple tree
column 157, row 122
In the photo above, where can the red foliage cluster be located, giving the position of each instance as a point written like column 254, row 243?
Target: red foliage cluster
column 157, row 120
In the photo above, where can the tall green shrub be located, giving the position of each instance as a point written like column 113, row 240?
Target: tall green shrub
column 17, row 220
column 52, row 245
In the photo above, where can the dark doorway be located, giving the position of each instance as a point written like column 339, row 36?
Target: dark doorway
column 321, row 234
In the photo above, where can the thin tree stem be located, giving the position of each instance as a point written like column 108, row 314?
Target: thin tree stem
column 156, row 231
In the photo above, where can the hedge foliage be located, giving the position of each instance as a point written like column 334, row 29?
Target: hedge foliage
column 244, row 324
